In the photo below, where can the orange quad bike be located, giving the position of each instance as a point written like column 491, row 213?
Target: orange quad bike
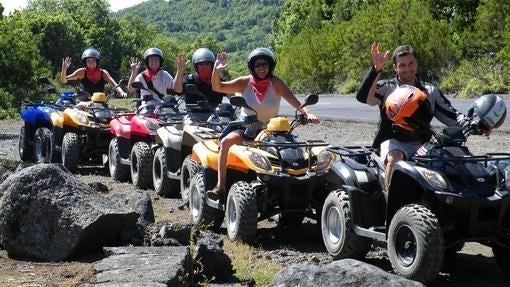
column 275, row 174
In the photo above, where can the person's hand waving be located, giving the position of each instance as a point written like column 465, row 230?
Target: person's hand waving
column 378, row 57
column 221, row 61
column 66, row 63
column 134, row 64
column 181, row 62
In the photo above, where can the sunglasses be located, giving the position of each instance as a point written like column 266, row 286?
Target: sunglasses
column 204, row 64
column 261, row 65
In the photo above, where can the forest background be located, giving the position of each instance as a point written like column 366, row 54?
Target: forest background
column 321, row 46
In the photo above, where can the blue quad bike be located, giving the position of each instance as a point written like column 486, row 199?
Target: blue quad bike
column 436, row 201
column 34, row 137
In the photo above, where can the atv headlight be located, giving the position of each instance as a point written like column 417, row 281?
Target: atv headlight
column 259, row 161
column 151, row 126
column 506, row 172
column 432, row 177
column 81, row 118
column 323, row 160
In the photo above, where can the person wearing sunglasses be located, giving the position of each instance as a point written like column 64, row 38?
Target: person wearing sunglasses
column 262, row 91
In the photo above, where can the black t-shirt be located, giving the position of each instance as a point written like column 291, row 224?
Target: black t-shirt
column 90, row 87
column 214, row 98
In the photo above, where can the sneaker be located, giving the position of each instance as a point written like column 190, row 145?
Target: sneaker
column 215, row 193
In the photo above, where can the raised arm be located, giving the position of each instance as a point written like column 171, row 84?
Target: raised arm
column 235, row 86
column 367, row 88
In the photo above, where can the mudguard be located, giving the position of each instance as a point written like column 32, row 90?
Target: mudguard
column 170, row 137
column 206, row 153
column 349, row 172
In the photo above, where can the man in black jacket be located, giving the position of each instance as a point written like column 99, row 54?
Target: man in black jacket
column 394, row 142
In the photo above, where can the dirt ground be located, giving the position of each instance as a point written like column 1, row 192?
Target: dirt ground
column 474, row 265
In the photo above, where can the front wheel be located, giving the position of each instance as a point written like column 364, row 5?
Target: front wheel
column 202, row 215
column 71, row 151
column 415, row 243
column 241, row 212
column 24, row 145
column 141, row 165
column 41, row 145
column 188, row 170
column 337, row 230
column 118, row 171
column 163, row 185
column 502, row 256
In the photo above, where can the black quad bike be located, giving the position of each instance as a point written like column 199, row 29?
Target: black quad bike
column 275, row 174
column 441, row 198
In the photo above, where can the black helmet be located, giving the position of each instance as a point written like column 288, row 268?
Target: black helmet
column 90, row 53
column 264, row 53
column 202, row 55
column 489, row 111
column 152, row 52
column 224, row 110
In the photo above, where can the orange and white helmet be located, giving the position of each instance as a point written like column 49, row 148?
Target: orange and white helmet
column 403, row 104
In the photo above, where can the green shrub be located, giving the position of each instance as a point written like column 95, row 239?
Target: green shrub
column 474, row 78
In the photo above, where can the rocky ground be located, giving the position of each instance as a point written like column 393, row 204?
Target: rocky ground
column 474, row 265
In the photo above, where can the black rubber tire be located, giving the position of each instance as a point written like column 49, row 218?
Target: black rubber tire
column 415, row 243
column 141, row 165
column 164, row 186
column 502, row 256
column 71, row 151
column 241, row 212
column 188, row 170
column 25, row 149
column 54, row 151
column 202, row 215
column 118, row 171
column 336, row 228
column 41, row 145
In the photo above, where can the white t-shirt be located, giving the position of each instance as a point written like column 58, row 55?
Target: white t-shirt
column 161, row 82
column 266, row 109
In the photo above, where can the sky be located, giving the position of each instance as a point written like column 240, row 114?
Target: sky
column 115, row 5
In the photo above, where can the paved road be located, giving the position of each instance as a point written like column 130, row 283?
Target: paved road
column 346, row 107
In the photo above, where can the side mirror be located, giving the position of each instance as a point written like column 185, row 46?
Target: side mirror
column 311, row 100
column 137, row 85
column 44, row 80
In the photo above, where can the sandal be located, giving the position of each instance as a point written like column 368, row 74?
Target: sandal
column 215, row 193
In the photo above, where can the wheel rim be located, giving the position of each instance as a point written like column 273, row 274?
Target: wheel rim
column 186, row 180
column 38, row 147
column 157, row 170
column 134, row 165
column 231, row 216
column 405, row 245
column 195, row 203
column 112, row 156
column 333, row 226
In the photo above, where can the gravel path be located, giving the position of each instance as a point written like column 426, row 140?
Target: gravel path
column 473, row 266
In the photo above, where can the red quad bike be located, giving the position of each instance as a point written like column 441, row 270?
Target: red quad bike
column 173, row 167
column 441, row 198
column 131, row 149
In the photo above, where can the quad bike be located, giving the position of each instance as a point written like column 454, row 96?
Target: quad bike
column 34, row 136
column 81, row 133
column 173, row 167
column 131, row 149
column 441, row 198
column 273, row 175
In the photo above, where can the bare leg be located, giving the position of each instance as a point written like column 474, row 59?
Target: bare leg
column 392, row 157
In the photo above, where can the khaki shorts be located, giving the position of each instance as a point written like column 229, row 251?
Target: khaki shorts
column 408, row 148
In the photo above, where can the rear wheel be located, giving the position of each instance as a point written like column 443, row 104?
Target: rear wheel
column 241, row 212
column 71, row 151
column 188, row 170
column 24, row 144
column 502, row 256
column 118, row 171
column 337, row 232
column 415, row 243
column 141, row 165
column 202, row 215
column 163, row 185
column 41, row 145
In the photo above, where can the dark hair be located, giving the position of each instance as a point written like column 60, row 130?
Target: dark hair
column 400, row 51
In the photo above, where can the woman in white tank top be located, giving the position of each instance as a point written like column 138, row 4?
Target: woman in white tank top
column 262, row 91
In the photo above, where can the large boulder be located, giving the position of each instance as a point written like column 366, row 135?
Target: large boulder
column 47, row 214
column 346, row 272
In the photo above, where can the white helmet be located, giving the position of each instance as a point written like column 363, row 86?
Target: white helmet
column 489, row 111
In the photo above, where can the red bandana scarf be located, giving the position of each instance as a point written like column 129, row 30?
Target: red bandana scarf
column 204, row 74
column 94, row 76
column 149, row 74
column 260, row 86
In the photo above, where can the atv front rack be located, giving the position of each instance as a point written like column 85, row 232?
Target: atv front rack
column 281, row 145
column 489, row 157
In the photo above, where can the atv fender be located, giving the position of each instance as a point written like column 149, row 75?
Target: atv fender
column 407, row 186
column 349, row 172
column 170, row 137
column 206, row 153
